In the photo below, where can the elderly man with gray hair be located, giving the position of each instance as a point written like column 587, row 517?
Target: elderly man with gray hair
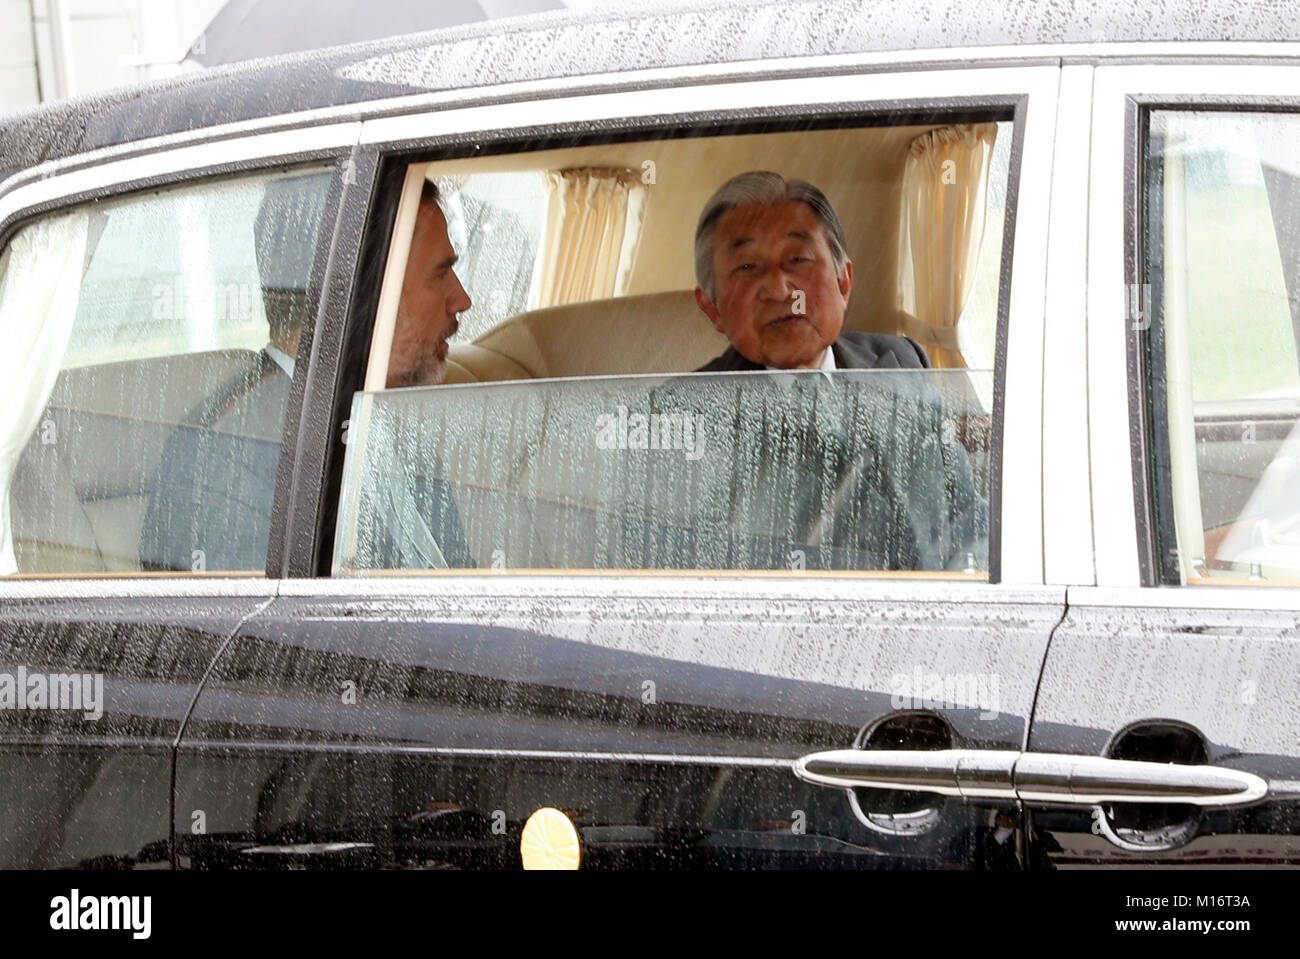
column 832, row 471
column 774, row 278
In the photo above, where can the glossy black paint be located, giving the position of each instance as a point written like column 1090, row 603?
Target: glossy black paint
column 422, row 731
column 302, row 437
column 1221, row 675
column 88, row 792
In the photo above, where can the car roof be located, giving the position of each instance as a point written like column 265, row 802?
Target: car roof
column 571, row 43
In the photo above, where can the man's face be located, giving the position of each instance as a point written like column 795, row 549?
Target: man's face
column 778, row 299
column 431, row 298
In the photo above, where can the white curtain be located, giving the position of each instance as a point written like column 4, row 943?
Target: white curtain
column 1267, row 531
column 593, row 228
column 1176, row 320
column 945, row 180
column 40, row 285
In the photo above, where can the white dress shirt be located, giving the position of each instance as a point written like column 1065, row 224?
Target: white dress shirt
column 285, row 361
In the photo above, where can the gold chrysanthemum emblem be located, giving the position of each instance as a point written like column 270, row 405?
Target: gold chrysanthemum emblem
column 550, row 841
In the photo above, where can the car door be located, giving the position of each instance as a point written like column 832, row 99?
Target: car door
column 143, row 445
column 674, row 717
column 1170, row 685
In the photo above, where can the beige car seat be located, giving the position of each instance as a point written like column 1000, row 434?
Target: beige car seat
column 654, row 333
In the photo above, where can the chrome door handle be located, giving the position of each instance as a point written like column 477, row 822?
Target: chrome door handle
column 299, row 849
column 1031, row 777
column 949, row 772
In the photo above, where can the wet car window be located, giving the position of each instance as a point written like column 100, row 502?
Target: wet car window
column 157, row 337
column 591, row 249
column 1223, row 208
column 882, row 470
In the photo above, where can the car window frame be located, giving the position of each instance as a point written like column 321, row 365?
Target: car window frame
column 394, row 143
column 1126, row 95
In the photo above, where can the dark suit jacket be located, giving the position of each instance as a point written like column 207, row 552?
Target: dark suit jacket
column 390, row 537
column 852, row 351
column 215, row 486
column 844, row 473
column 216, row 480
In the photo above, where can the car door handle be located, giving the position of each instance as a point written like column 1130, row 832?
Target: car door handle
column 1057, row 777
column 306, row 849
column 1031, row 777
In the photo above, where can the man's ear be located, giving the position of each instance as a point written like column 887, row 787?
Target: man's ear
column 845, row 280
column 711, row 311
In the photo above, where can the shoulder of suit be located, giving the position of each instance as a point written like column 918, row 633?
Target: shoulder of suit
column 714, row 365
column 905, row 350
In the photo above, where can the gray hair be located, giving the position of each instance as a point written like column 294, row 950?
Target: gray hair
column 765, row 188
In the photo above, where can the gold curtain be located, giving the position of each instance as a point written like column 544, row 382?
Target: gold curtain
column 945, row 178
column 593, row 228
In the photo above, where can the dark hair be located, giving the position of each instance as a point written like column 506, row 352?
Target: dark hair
column 285, row 237
column 429, row 193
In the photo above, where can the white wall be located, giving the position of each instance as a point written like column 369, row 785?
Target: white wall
column 110, row 43
column 17, row 56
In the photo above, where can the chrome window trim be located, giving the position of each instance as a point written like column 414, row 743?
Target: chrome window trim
column 1262, row 598
column 469, row 752
column 1067, row 489
column 1020, row 446
column 488, row 588
column 114, row 587
column 1116, row 421
column 164, row 164
column 260, row 127
column 409, row 129
column 1114, row 532
column 685, row 588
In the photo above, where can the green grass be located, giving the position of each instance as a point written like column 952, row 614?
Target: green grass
column 1242, row 340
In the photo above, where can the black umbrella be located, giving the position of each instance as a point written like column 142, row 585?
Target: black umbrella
column 245, row 29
